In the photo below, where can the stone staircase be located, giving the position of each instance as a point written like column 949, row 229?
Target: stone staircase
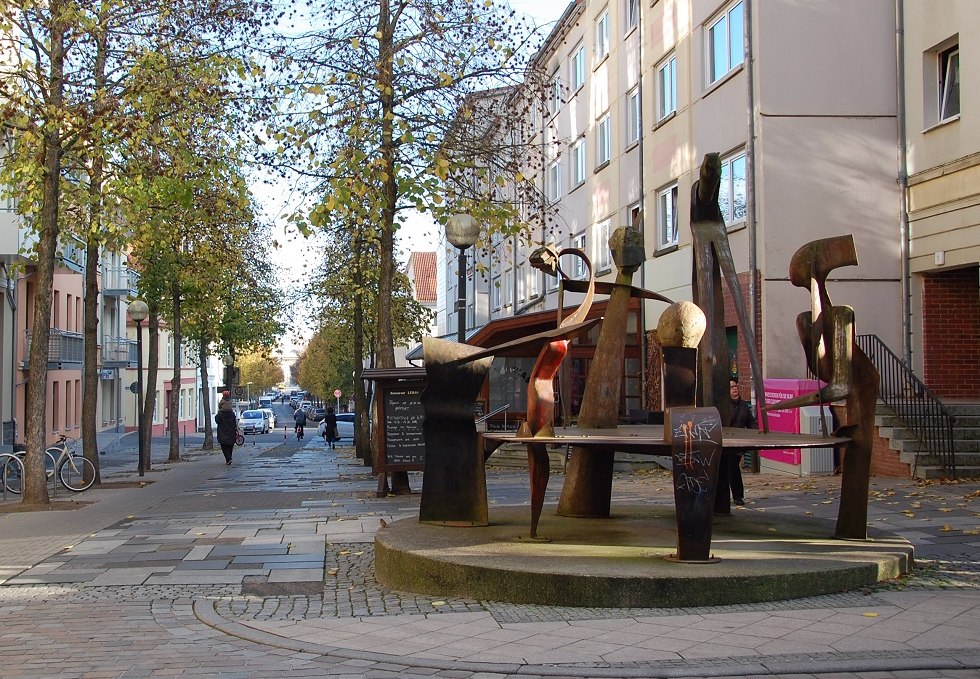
column 966, row 442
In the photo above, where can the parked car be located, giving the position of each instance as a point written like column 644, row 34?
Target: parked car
column 254, row 422
column 318, row 414
column 345, row 426
column 271, row 417
column 307, row 406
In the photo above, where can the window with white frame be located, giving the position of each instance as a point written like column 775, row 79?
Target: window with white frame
column 731, row 195
column 602, row 36
column 554, row 103
column 667, row 231
column 603, row 148
column 603, row 259
column 578, row 67
column 507, row 282
column 578, row 163
column 632, row 13
column 949, row 83
column 725, row 46
column 495, row 291
column 520, row 283
column 576, row 266
column 554, row 180
column 533, row 279
column 634, row 215
column 633, row 116
column 667, row 87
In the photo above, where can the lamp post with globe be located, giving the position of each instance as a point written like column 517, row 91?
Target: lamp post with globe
column 462, row 231
column 138, row 311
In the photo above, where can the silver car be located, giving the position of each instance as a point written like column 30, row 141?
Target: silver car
column 270, row 416
column 254, row 422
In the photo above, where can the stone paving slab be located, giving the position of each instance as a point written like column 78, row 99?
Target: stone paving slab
column 925, row 622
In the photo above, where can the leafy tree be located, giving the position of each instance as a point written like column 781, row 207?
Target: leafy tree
column 263, row 372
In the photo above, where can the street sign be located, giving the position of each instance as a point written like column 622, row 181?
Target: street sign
column 337, row 393
column 134, row 387
column 238, row 392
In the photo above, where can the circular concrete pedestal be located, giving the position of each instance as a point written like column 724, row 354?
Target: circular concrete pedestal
column 620, row 562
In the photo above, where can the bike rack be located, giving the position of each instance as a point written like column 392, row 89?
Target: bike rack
column 3, row 481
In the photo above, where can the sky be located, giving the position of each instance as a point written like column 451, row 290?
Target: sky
column 296, row 257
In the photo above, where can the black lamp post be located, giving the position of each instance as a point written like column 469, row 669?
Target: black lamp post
column 138, row 311
column 462, row 231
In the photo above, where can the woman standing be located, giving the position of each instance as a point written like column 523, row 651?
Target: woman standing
column 227, row 427
column 330, row 428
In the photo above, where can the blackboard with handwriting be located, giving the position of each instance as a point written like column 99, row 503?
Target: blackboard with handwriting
column 403, row 418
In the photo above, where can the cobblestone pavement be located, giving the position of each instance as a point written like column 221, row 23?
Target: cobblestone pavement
column 265, row 568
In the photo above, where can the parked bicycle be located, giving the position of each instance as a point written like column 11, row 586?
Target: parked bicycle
column 73, row 470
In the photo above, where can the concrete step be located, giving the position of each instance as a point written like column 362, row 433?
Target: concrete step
column 939, row 472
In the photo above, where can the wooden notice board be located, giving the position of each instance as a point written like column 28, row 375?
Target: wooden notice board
column 397, row 416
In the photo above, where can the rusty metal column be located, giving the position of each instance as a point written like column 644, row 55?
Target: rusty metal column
column 588, row 478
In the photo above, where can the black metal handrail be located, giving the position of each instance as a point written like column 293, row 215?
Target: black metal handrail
column 910, row 399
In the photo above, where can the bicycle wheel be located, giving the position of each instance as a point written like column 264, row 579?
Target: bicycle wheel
column 240, row 440
column 51, row 461
column 76, row 473
column 12, row 474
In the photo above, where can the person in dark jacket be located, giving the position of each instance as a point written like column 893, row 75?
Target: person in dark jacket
column 227, row 427
column 742, row 417
column 299, row 417
column 330, row 428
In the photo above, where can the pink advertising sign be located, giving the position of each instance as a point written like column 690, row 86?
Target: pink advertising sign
column 785, row 420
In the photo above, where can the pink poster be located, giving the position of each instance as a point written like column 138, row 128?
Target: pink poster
column 785, row 420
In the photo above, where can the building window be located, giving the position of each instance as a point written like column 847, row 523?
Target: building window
column 532, row 283
column 602, row 36
column 635, row 216
column 602, row 256
column 555, row 93
column 554, row 181
column 731, row 196
column 578, row 67
column 725, row 47
column 667, row 216
column 603, row 151
column 632, row 13
column 667, row 87
column 495, row 292
column 574, row 266
column 633, row 116
column 521, row 284
column 578, row 163
column 949, row 83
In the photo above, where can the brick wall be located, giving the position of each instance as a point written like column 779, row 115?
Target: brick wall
column 951, row 332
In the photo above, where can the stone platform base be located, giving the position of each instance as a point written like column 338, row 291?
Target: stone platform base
column 620, row 562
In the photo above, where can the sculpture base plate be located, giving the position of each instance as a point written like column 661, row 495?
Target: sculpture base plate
column 620, row 562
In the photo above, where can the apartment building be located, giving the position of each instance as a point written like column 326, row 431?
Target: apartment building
column 800, row 100
column 942, row 137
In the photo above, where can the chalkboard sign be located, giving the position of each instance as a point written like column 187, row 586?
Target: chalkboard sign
column 403, row 417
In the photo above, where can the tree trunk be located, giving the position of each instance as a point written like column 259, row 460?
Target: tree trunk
column 90, row 371
column 152, row 367
column 206, row 397
column 174, row 454
column 362, row 428
column 35, row 489
column 385, row 345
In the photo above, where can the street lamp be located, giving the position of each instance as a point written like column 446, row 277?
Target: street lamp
column 462, row 231
column 138, row 311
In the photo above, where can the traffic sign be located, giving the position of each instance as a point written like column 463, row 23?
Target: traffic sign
column 337, row 393
column 134, row 387
column 238, row 392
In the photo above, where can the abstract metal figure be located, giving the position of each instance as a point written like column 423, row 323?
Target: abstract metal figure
column 827, row 335
column 712, row 260
column 541, row 388
column 587, row 490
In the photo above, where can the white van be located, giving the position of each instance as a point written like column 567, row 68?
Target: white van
column 265, row 402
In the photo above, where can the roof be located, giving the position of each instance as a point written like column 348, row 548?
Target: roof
column 422, row 269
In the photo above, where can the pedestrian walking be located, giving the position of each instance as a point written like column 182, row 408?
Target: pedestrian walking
column 299, row 417
column 743, row 418
column 330, row 428
column 227, row 426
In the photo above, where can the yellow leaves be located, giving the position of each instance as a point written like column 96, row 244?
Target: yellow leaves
column 870, row 614
column 355, row 43
column 445, row 79
column 947, row 528
column 332, row 571
column 438, row 603
column 379, row 35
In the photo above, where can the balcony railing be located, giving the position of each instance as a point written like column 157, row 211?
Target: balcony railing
column 118, row 352
column 119, row 281
column 65, row 349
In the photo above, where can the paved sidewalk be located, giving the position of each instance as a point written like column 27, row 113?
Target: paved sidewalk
column 265, row 568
